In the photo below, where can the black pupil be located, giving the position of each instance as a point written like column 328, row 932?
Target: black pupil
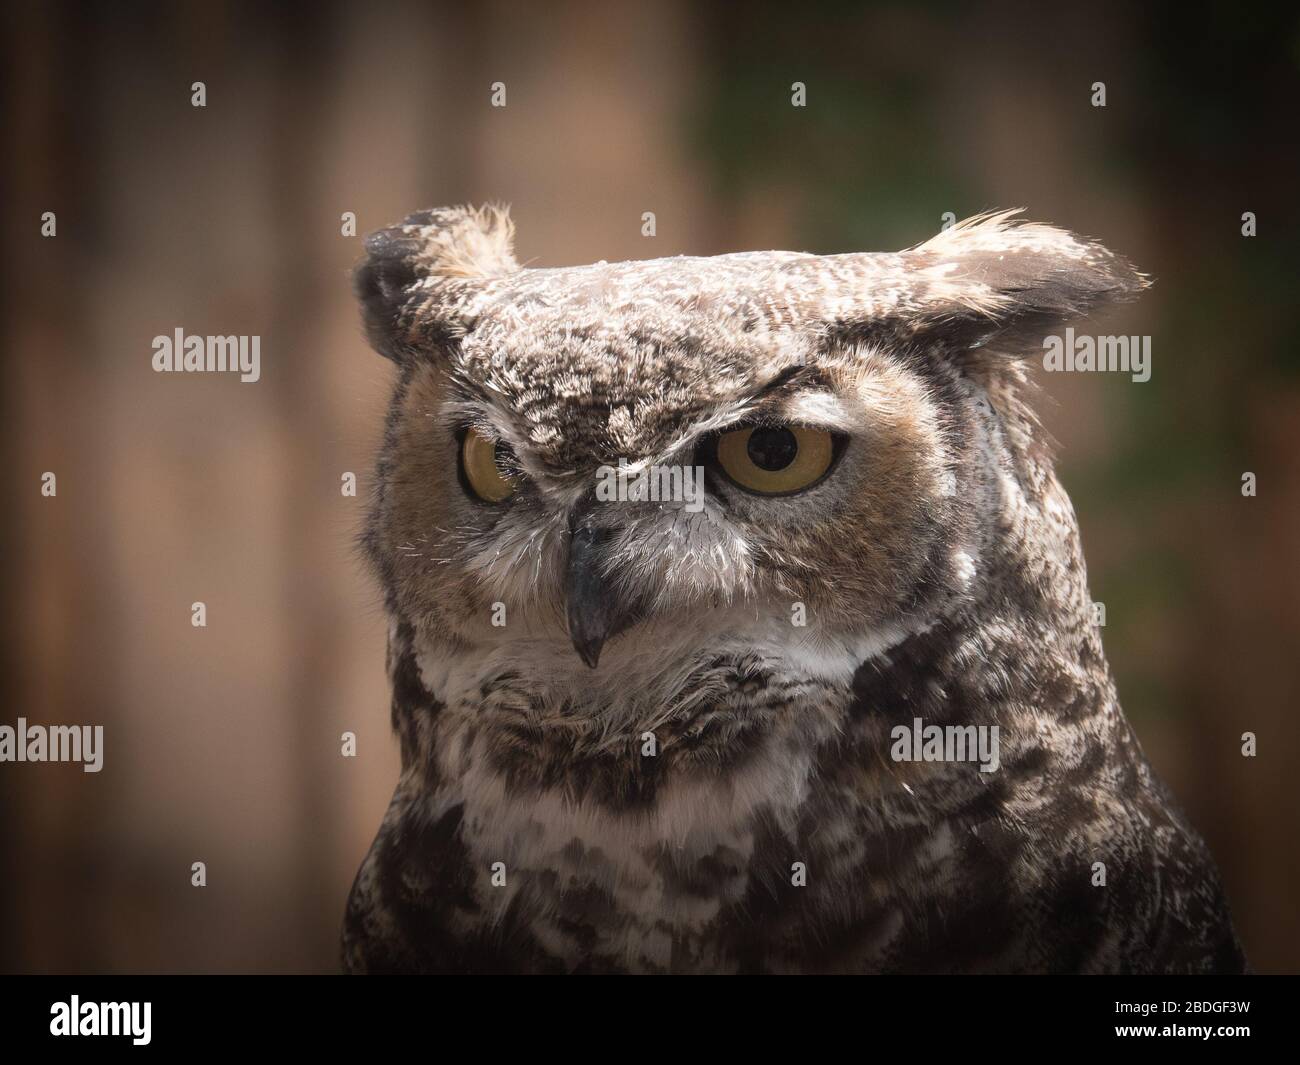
column 772, row 449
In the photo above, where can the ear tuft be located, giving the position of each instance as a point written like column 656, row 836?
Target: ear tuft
column 416, row 274
column 463, row 241
column 995, row 275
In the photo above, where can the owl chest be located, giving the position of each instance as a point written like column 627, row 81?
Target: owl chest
column 664, row 886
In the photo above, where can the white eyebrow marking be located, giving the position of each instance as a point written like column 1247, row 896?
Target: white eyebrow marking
column 816, row 409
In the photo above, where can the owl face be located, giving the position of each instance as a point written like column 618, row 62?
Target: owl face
column 685, row 459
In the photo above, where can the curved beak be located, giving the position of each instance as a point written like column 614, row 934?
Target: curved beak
column 593, row 610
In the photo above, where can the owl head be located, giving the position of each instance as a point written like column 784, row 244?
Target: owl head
column 676, row 460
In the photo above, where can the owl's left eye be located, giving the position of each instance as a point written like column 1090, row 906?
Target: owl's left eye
column 775, row 460
column 485, row 469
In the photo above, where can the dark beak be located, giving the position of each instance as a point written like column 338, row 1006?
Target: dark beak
column 594, row 613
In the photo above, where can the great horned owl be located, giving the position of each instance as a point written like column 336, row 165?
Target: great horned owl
column 659, row 732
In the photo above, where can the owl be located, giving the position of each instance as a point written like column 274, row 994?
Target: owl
column 738, row 622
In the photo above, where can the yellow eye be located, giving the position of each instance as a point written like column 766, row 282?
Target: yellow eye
column 480, row 464
column 775, row 460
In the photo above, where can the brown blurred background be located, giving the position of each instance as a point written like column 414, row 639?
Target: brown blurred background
column 222, row 744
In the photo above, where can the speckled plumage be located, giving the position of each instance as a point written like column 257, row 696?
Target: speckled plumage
column 941, row 573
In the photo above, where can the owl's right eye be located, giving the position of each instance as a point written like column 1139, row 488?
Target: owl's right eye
column 776, row 460
column 483, row 468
